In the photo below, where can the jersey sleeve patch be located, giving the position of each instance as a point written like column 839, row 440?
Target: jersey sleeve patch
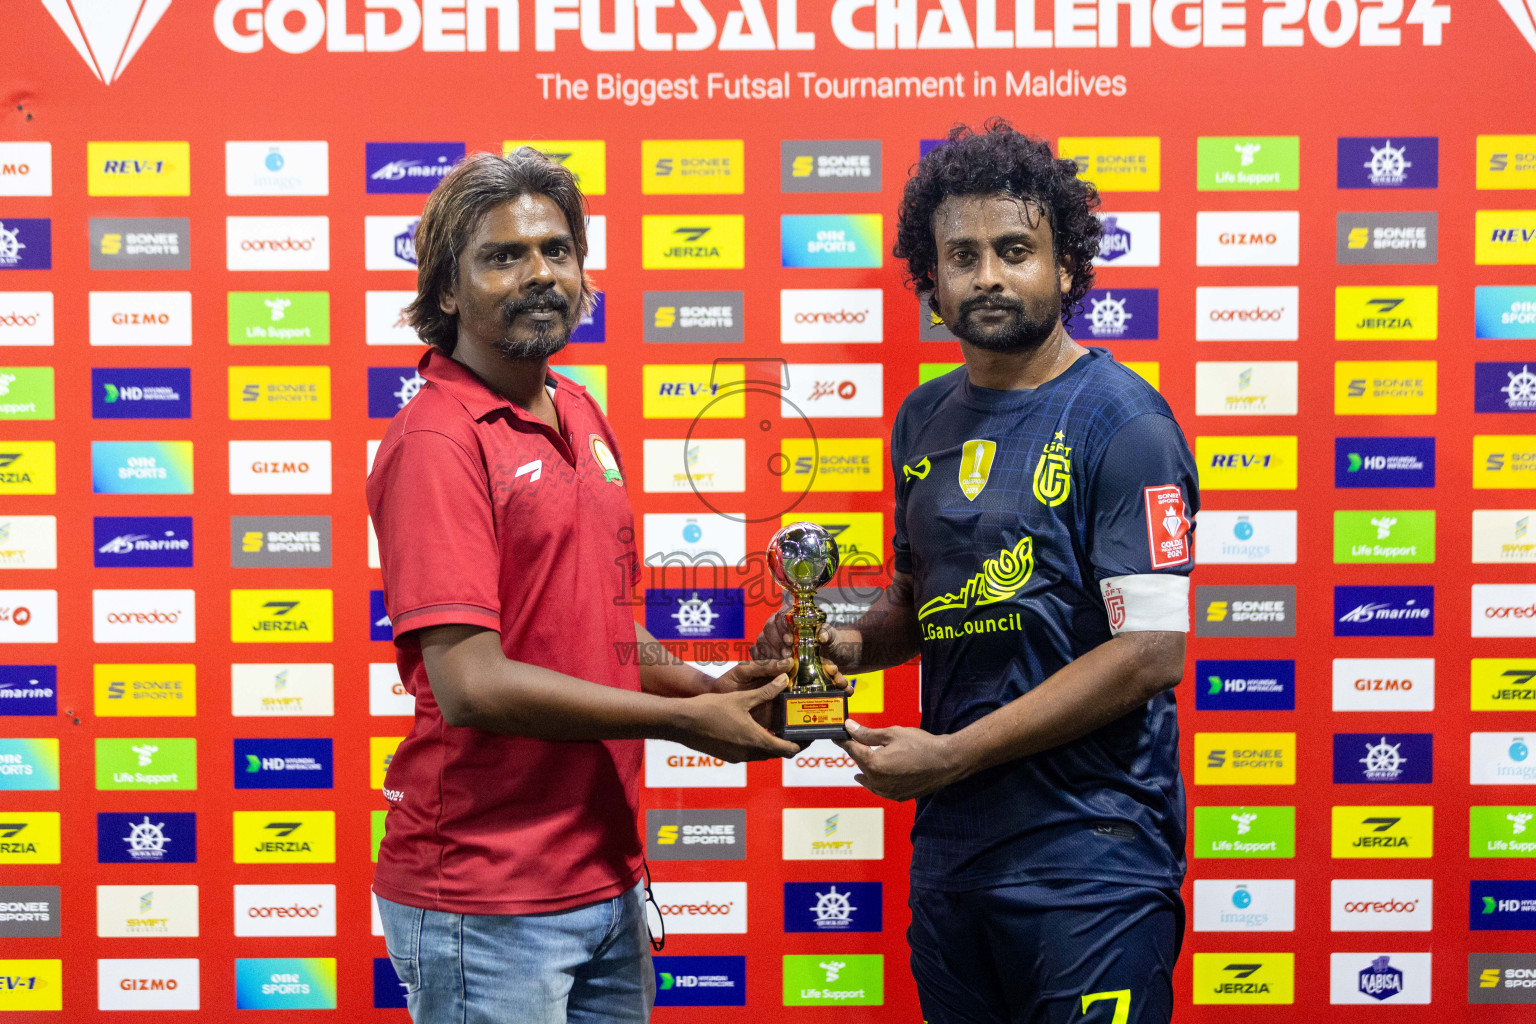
column 1168, row 526
column 1146, row 603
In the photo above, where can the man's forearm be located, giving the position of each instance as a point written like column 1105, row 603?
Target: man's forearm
column 885, row 635
column 664, row 673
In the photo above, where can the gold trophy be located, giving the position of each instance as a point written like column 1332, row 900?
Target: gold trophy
column 802, row 558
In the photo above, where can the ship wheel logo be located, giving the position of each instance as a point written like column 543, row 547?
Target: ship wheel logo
column 1382, row 760
column 1108, row 315
column 1388, row 166
column 833, row 909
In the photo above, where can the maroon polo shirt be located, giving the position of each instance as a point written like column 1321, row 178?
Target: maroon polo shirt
column 487, row 516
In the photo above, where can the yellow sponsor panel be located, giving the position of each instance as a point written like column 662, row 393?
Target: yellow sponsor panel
column 138, row 168
column 860, row 536
column 381, row 750
column 673, row 167
column 1254, row 978
column 285, row 837
column 1384, row 388
column 1506, row 161
column 146, row 691
column 1504, row 684
column 1245, row 758
column 31, row 985
column 1503, row 462
column 1116, row 163
column 695, row 242
column 280, row 616
column 279, row 392
column 831, row 464
column 1243, row 462
column 29, row 837
column 1383, row 832
column 585, row 158
column 27, row 467
column 1386, row 313
column 1505, row 238
column 1149, row 372
column 685, row 391
column 868, row 693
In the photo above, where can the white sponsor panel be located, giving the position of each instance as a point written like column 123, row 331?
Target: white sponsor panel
column 373, row 453
column 144, row 616
column 285, row 910
column 134, row 911
column 838, row 315
column 679, row 466
column 1247, row 238
column 26, row 318
column 1378, row 979
column 277, row 243
column 702, row 908
column 834, row 833
column 669, row 764
column 833, row 391
column 1382, row 904
column 597, row 243
column 141, row 318
column 1245, row 388
column 26, row 168
column 384, row 319
column 377, row 918
column 279, row 467
column 1504, row 535
column 373, row 545
column 29, row 616
column 702, row 540
column 387, row 695
column 147, row 985
column 276, row 168
column 282, row 690
column 389, row 243
column 1383, row 684
column 1131, row 239
column 1245, row 905
column 1503, row 759
column 1504, row 609
column 1245, row 538
column 1247, row 314
column 823, row 763
column 29, row 542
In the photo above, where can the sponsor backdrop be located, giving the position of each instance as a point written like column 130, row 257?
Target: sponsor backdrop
column 1320, row 245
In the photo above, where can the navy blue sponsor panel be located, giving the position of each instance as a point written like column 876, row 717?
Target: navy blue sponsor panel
column 141, row 393
column 390, row 388
column 26, row 243
column 1503, row 906
column 1402, row 161
column 689, row 613
column 1383, row 757
column 29, row 690
column 1117, row 314
column 284, row 764
column 142, row 542
column 1383, row 611
column 1245, row 685
column 594, row 326
column 832, row 907
column 1383, row 462
column 379, row 627
column 388, row 989
column 701, row 980
column 1504, row 387
column 146, row 837
column 395, row 168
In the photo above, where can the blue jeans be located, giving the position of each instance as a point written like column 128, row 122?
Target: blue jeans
column 583, row 966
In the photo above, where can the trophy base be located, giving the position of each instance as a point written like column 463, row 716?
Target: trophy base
column 803, row 717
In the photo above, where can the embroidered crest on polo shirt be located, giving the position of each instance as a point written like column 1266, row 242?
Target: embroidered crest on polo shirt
column 606, row 460
column 976, row 466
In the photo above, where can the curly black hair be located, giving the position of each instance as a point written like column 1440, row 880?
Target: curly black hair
column 1000, row 160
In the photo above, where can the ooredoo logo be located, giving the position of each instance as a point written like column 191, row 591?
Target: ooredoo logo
column 1382, row 904
column 831, row 315
column 823, row 763
column 144, row 616
column 1504, row 609
column 278, row 243
column 1246, row 314
column 702, row 908
column 285, row 910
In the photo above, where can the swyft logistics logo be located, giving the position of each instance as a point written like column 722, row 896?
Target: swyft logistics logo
column 140, row 243
column 1377, row 832
column 29, row 764
column 1399, row 535
column 33, row 984
column 29, row 690
column 282, row 690
column 1503, row 387
column 285, row 837
column 694, row 242
column 280, row 616
column 145, row 690
column 699, row 980
column 1399, row 162
column 1503, row 461
column 834, row 833
column 1506, row 161
column 29, row 837
column 1246, row 462
column 138, row 168
column 1502, row 906
column 1254, row 905
column 29, row 542
column 1501, row 978
column 672, row 167
column 279, row 318
column 830, row 240
column 1245, row 758
column 1118, row 314
column 1505, row 237
column 1130, row 239
column 832, row 464
column 284, row 764
column 1252, row 978
column 1388, row 388
column 141, row 467
column 146, row 763
column 1246, row 389
column 829, row 908
column 1400, row 313
column 1245, row 685
column 1384, row 462
column 285, row 983
column 1384, row 611
column 705, row 465
column 845, row 165
column 26, row 169
column 141, row 394
column 139, row 837
column 1502, row 831
column 26, row 243
column 1383, row 758
column 1506, row 312
column 1265, row 163
column 694, row 390
column 587, row 159
column 696, row 835
column 1394, row 238
column 842, row 979
column 1115, row 164
column 393, row 168
column 1503, row 684
column 279, row 392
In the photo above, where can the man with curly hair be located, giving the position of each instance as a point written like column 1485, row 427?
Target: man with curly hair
column 1045, row 500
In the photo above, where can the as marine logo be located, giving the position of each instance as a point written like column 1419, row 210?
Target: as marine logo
column 1053, row 473
column 999, row 580
column 975, row 466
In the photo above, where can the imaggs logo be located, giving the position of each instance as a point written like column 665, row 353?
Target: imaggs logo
column 106, row 35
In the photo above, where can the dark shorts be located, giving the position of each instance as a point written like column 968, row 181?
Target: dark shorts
column 1046, row 953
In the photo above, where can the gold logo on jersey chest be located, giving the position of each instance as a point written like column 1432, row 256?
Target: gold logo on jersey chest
column 976, row 466
column 1053, row 473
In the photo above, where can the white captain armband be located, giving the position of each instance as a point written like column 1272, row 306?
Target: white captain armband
column 1144, row 603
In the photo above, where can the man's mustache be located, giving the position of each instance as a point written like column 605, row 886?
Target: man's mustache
column 970, row 306
column 536, row 303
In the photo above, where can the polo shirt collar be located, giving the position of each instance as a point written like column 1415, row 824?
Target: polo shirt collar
column 477, row 397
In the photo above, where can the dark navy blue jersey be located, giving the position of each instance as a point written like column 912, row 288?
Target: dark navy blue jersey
column 1011, row 508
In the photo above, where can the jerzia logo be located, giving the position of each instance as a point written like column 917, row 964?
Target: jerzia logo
column 106, row 35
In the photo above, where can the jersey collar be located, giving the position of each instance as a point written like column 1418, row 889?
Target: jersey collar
column 478, row 399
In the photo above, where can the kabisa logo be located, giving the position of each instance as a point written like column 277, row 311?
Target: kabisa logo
column 142, row 541
column 1124, row 314
column 700, row 980
column 832, row 907
column 106, row 37
column 845, row 165
column 1503, row 906
column 397, row 167
column 1383, row 758
column 830, row 240
column 379, row 626
column 1398, row 162
column 139, row 838
column 141, row 394
column 695, row 242
column 1130, row 239
column 283, row 764
column 26, row 243
column 390, row 388
column 29, row 690
column 695, row 614
column 1504, row 387
column 1245, row 685
column 1384, row 462
column 1380, row 980
column 1384, row 611
column 1506, row 312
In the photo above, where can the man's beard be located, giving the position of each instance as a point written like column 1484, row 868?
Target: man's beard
column 546, row 336
column 1027, row 328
